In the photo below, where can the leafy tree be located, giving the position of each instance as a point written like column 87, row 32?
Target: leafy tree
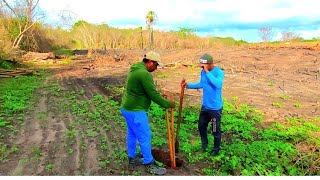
column 185, row 31
column 79, row 23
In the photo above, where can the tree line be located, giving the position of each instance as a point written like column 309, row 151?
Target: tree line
column 21, row 29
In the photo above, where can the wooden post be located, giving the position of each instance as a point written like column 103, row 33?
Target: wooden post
column 169, row 135
column 172, row 137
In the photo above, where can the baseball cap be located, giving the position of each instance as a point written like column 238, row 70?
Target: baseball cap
column 206, row 59
column 153, row 56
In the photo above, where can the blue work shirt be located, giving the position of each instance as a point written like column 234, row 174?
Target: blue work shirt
column 211, row 82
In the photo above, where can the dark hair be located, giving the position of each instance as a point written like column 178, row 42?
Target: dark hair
column 145, row 60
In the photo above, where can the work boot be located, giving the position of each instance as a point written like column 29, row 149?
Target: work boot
column 152, row 168
column 134, row 162
column 215, row 152
column 204, row 148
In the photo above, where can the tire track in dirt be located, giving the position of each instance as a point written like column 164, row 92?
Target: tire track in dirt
column 67, row 162
column 45, row 147
column 29, row 140
column 91, row 90
column 71, row 165
column 115, row 138
column 39, row 130
column 89, row 157
column 110, row 136
column 42, row 141
column 55, row 152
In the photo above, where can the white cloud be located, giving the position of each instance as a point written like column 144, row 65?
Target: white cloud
column 203, row 14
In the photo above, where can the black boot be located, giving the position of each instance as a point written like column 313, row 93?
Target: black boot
column 152, row 168
column 136, row 161
column 216, row 148
column 204, row 147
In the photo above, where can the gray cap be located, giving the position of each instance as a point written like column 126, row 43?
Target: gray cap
column 154, row 57
column 206, row 59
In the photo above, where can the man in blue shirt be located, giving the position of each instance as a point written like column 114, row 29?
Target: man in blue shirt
column 211, row 81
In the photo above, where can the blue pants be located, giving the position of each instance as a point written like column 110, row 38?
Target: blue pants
column 205, row 117
column 138, row 129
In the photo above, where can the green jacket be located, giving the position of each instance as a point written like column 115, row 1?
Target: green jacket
column 140, row 90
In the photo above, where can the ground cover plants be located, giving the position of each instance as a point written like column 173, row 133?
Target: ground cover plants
column 68, row 122
column 247, row 148
column 16, row 97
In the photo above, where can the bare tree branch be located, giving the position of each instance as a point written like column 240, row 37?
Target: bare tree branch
column 7, row 4
column 265, row 33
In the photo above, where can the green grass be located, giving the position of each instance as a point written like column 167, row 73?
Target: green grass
column 285, row 97
column 16, row 96
column 9, row 65
column 162, row 76
column 277, row 104
column 247, row 149
column 297, row 104
column 62, row 51
column 227, row 41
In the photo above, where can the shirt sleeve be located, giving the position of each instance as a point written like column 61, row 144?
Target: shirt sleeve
column 154, row 95
column 196, row 85
column 216, row 81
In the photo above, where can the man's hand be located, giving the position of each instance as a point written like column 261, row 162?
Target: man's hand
column 164, row 94
column 204, row 67
column 183, row 83
column 173, row 104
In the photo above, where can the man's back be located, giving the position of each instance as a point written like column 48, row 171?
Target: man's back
column 140, row 90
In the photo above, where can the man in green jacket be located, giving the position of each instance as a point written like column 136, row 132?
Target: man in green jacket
column 140, row 91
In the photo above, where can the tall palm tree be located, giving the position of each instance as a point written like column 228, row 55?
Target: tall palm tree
column 151, row 18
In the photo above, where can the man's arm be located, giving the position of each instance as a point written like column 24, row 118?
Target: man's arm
column 196, row 85
column 150, row 88
column 216, row 81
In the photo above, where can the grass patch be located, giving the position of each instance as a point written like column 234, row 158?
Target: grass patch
column 4, row 64
column 62, row 51
column 16, row 96
column 247, row 149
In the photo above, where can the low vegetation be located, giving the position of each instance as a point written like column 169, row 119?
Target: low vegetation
column 16, row 97
column 249, row 147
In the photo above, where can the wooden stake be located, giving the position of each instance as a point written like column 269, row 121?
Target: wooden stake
column 169, row 135
column 172, row 137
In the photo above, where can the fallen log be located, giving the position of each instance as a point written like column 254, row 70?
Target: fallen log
column 5, row 76
column 36, row 56
column 17, row 72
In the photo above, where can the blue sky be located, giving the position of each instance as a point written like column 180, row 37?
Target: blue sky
column 240, row 19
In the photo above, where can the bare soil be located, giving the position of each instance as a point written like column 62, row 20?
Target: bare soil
column 257, row 76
